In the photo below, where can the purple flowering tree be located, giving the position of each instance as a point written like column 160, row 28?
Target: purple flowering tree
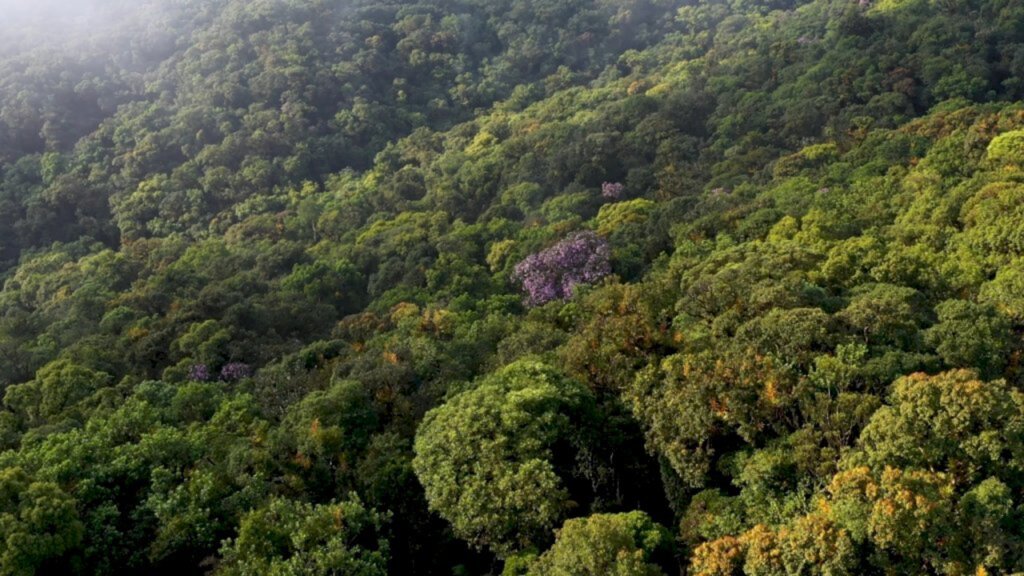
column 554, row 273
column 612, row 190
column 233, row 371
column 199, row 373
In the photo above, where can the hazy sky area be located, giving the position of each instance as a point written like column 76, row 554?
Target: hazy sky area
column 42, row 12
column 25, row 24
column 28, row 24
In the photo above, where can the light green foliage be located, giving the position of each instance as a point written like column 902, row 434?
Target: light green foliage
column 1006, row 291
column 793, row 335
column 884, row 314
column 924, row 489
column 811, row 157
column 690, row 402
column 205, row 343
column 624, row 217
column 626, row 544
column 38, row 523
column 627, row 225
column 951, row 422
column 1007, row 148
column 986, row 517
column 485, row 456
column 990, row 219
column 56, row 390
column 287, row 538
column 971, row 335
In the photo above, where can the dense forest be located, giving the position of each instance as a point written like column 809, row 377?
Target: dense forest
column 512, row 287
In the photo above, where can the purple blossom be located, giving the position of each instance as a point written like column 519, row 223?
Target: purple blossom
column 554, row 273
column 612, row 190
column 233, row 371
column 199, row 373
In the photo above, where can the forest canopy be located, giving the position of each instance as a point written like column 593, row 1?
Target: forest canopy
column 518, row 287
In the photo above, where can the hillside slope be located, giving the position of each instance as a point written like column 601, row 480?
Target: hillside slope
column 531, row 286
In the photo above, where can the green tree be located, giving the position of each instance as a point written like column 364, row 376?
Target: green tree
column 691, row 406
column 288, row 538
column 326, row 432
column 492, row 459
column 971, row 335
column 625, row 544
column 55, row 392
column 952, row 422
column 39, row 524
column 1006, row 292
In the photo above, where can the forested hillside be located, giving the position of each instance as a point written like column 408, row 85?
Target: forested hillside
column 518, row 287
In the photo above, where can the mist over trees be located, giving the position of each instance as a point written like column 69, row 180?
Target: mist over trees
column 518, row 287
